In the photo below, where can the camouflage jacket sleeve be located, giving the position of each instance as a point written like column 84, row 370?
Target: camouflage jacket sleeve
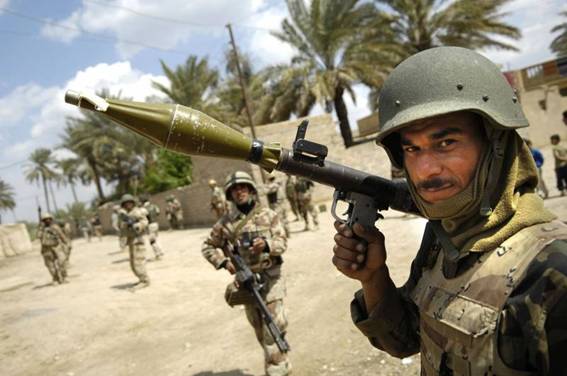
column 393, row 325
column 212, row 246
column 60, row 233
column 277, row 243
column 533, row 331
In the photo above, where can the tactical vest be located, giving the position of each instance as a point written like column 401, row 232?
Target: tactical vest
column 459, row 317
column 49, row 237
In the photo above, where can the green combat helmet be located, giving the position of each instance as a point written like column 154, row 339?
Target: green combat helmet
column 127, row 198
column 170, row 198
column 440, row 81
column 238, row 177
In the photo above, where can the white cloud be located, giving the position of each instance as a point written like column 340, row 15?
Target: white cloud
column 535, row 18
column 123, row 20
column 4, row 4
column 262, row 44
column 64, row 31
column 21, row 102
column 44, row 108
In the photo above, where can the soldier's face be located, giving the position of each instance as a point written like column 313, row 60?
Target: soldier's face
column 129, row 205
column 441, row 154
column 240, row 193
column 48, row 221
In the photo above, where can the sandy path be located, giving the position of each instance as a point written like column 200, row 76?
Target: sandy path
column 181, row 324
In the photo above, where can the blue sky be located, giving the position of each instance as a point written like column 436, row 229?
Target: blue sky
column 50, row 46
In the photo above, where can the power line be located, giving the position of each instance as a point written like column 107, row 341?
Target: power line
column 95, row 35
column 172, row 20
column 13, row 164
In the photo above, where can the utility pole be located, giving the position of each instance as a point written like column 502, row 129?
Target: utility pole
column 244, row 93
column 241, row 79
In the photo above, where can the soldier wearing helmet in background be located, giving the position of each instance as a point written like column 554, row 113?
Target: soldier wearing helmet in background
column 115, row 221
column 53, row 243
column 487, row 292
column 133, row 223
column 152, row 213
column 258, row 235
column 96, row 225
column 174, row 213
column 219, row 204
column 276, row 201
column 304, row 191
column 291, row 195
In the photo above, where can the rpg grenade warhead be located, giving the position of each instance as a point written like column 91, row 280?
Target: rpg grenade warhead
column 238, row 177
column 440, row 81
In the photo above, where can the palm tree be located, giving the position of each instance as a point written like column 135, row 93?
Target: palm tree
column 191, row 84
column 6, row 197
column 70, row 173
column 39, row 168
column 339, row 44
column 83, row 136
column 474, row 24
column 559, row 44
column 422, row 24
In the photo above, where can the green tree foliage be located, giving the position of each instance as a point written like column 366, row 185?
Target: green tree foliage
column 559, row 44
column 422, row 24
column 40, row 168
column 171, row 170
column 339, row 43
column 191, row 84
column 6, row 197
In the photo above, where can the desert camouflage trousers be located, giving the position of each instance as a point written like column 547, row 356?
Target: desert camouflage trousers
column 153, row 230
column 55, row 260
column 137, row 251
column 282, row 214
column 275, row 363
column 306, row 208
column 98, row 231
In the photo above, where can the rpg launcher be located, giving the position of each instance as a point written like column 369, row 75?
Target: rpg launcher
column 188, row 131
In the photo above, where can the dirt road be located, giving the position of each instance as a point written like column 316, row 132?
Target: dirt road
column 181, row 325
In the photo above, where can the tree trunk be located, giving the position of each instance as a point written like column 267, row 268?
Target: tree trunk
column 45, row 193
column 52, row 195
column 342, row 116
column 96, row 175
column 73, row 191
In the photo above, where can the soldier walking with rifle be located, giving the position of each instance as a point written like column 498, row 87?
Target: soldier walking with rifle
column 133, row 222
column 249, row 241
column 53, row 244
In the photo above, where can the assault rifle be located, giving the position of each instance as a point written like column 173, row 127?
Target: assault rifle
column 249, row 280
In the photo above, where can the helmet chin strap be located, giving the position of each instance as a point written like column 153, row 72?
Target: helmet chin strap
column 496, row 139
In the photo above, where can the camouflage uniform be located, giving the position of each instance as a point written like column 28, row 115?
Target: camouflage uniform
column 218, row 202
column 291, row 195
column 234, row 228
column 97, row 227
column 153, row 227
column 134, row 236
column 67, row 230
column 276, row 202
column 304, row 189
column 115, row 225
column 490, row 296
column 174, row 213
column 53, row 243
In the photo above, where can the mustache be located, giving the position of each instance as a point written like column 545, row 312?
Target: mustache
column 434, row 183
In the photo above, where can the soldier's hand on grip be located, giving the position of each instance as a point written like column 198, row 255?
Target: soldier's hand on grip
column 358, row 259
column 258, row 245
column 230, row 267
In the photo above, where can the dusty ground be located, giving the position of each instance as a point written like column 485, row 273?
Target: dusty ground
column 181, row 325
